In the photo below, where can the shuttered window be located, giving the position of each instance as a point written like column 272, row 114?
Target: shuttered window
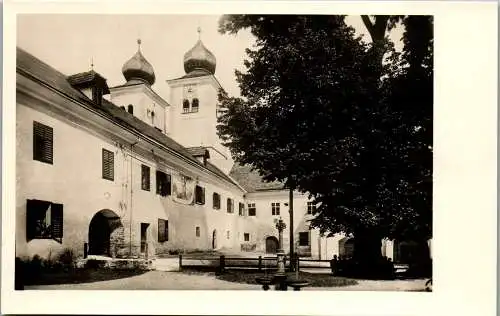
column 241, row 209
column 43, row 141
column 145, row 178
column 44, row 220
column 162, row 230
column 216, row 201
column 108, row 165
column 200, row 195
column 163, row 183
column 230, row 206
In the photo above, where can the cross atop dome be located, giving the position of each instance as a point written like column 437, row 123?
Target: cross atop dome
column 137, row 69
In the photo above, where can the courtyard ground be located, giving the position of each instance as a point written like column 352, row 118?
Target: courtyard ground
column 160, row 280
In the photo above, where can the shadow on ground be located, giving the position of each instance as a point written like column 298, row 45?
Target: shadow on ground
column 249, row 277
column 76, row 276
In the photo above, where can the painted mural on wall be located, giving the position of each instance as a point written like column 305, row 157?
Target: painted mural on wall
column 183, row 189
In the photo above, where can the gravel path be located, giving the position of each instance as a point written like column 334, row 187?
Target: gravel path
column 159, row 280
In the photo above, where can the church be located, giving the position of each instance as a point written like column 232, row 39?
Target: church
column 123, row 172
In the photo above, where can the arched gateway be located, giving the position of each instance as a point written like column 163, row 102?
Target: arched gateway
column 272, row 244
column 106, row 233
column 346, row 247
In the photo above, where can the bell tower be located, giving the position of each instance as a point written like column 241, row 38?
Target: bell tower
column 193, row 100
column 137, row 96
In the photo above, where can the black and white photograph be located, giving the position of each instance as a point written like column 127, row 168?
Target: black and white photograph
column 313, row 172
column 234, row 151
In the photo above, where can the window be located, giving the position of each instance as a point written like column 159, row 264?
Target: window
column 311, row 207
column 162, row 230
column 108, row 165
column 163, row 183
column 131, row 109
column 145, row 178
column 44, row 220
column 228, row 234
column 188, row 107
column 230, row 206
column 195, row 105
column 185, row 106
column 216, row 201
column 43, row 138
column 304, row 239
column 199, row 195
column 246, row 236
column 275, row 208
column 241, row 209
column 123, row 108
column 97, row 95
column 252, row 211
column 197, row 231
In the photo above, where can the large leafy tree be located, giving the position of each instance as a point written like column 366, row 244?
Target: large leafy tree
column 321, row 112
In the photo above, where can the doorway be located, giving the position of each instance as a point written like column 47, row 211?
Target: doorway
column 271, row 244
column 214, row 239
column 105, row 230
column 144, row 238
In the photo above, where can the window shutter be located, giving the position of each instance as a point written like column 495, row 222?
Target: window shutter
column 161, row 230
column 168, row 184
column 57, row 222
column 43, row 137
column 202, row 196
column 166, row 230
column 108, row 165
column 30, row 219
column 145, row 178
column 158, row 183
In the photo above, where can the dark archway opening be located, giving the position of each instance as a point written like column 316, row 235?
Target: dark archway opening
column 105, row 233
column 346, row 247
column 271, row 244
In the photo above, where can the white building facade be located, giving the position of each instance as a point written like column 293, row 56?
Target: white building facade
column 141, row 175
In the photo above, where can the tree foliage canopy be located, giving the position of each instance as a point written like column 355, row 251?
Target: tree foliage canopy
column 320, row 112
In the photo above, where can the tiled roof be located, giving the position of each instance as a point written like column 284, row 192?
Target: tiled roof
column 87, row 77
column 42, row 72
column 250, row 179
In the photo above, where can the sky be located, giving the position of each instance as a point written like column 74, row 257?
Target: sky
column 71, row 42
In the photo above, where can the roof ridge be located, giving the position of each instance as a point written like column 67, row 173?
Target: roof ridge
column 58, row 81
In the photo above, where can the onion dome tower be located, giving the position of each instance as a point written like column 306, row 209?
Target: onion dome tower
column 138, row 70
column 199, row 59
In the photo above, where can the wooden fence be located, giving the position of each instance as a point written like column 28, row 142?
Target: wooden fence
column 223, row 263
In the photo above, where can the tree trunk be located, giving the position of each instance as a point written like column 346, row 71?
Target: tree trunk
column 377, row 29
column 367, row 255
